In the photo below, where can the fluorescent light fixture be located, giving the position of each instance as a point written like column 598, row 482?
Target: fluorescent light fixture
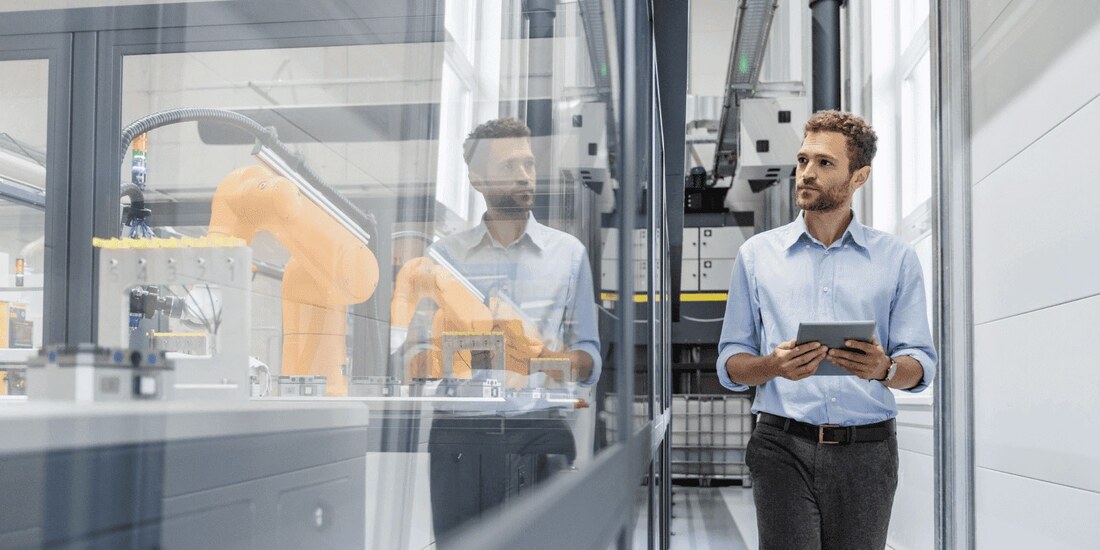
column 750, row 39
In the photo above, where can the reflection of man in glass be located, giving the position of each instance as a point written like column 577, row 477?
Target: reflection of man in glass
column 531, row 273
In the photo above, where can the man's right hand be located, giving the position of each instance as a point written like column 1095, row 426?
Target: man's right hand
column 796, row 362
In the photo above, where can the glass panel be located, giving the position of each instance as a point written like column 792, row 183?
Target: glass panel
column 916, row 134
column 912, row 14
column 420, row 238
column 26, row 5
column 23, row 107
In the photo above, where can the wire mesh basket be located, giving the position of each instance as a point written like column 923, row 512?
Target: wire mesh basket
column 709, row 437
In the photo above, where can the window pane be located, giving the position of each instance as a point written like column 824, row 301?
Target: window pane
column 916, row 124
column 23, row 106
column 469, row 315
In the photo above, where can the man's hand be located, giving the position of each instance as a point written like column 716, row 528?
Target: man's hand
column 797, row 362
column 872, row 364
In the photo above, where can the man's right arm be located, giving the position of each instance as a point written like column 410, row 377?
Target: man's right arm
column 741, row 362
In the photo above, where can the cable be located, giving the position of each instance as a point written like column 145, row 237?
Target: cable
column 266, row 136
column 697, row 320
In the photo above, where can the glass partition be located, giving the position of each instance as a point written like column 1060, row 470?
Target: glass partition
column 430, row 232
column 23, row 124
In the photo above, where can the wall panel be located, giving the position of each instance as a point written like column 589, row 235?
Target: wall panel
column 1029, row 72
column 1033, row 222
column 1017, row 512
column 1036, row 383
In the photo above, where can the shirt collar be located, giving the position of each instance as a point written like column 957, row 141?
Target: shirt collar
column 534, row 232
column 855, row 231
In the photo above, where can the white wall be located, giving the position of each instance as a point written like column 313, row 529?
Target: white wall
column 1035, row 111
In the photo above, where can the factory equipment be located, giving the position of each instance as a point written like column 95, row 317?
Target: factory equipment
column 16, row 330
column 14, row 380
column 302, row 386
column 211, row 276
column 374, row 386
column 482, row 347
column 86, row 372
column 328, row 238
column 771, row 133
column 330, row 268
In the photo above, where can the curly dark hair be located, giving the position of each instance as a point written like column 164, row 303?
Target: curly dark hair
column 493, row 129
column 861, row 137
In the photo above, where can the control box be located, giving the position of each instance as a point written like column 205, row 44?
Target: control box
column 86, row 372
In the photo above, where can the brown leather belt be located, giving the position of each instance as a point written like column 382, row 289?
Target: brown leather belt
column 830, row 434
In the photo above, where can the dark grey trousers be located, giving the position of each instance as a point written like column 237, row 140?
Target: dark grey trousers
column 811, row 496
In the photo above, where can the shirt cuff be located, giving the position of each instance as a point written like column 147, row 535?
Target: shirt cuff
column 723, row 375
column 597, row 362
column 926, row 363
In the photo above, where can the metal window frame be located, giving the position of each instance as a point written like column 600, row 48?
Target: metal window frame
column 949, row 28
column 56, row 50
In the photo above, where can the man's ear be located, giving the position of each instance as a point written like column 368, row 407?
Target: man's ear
column 860, row 177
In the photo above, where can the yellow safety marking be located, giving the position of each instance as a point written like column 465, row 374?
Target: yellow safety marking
column 684, row 297
column 209, row 241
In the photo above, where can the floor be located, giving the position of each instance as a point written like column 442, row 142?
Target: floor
column 709, row 517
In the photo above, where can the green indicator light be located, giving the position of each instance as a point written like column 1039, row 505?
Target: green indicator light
column 743, row 64
column 603, row 69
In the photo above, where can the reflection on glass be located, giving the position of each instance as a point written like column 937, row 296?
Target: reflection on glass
column 475, row 166
column 513, row 314
column 23, row 104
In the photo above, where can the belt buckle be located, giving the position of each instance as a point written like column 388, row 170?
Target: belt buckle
column 821, row 434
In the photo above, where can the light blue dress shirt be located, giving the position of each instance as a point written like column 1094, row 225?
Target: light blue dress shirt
column 785, row 276
column 546, row 273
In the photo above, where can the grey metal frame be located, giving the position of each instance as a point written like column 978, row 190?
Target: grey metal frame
column 949, row 27
column 56, row 49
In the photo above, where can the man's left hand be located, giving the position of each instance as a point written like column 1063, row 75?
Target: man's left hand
column 872, row 364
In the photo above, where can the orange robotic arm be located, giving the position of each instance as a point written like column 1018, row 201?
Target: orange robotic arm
column 460, row 312
column 329, row 268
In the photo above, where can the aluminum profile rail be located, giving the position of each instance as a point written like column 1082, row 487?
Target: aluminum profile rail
column 750, row 39
column 953, row 418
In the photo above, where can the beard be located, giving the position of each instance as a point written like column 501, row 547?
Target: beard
column 511, row 205
column 826, row 200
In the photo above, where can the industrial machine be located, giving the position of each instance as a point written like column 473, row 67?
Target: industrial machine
column 331, row 264
column 211, row 274
column 86, row 373
column 481, row 347
column 330, row 267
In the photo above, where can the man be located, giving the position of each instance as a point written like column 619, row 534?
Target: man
column 544, row 276
column 817, row 486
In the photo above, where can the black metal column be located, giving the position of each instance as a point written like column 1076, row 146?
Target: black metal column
column 670, row 30
column 540, row 65
column 826, row 53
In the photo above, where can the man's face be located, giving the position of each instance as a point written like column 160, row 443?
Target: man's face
column 823, row 181
column 507, row 177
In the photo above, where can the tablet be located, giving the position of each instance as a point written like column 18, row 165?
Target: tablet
column 833, row 335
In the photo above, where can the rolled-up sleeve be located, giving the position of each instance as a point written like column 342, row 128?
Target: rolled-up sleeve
column 582, row 333
column 740, row 332
column 909, row 331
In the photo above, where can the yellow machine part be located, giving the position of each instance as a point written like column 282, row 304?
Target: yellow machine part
column 329, row 267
